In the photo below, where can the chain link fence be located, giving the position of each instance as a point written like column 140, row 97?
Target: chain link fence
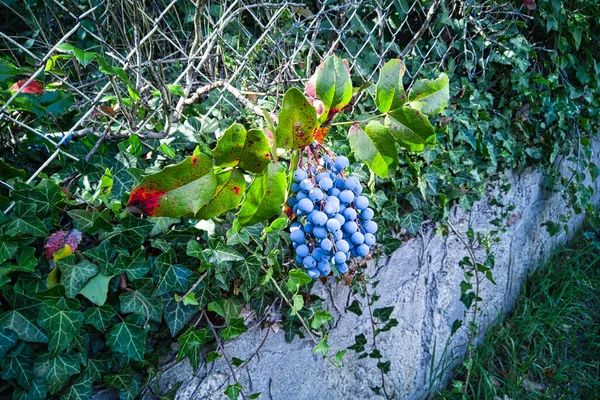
column 218, row 58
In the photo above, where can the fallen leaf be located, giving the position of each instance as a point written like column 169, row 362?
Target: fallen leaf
column 59, row 239
column 33, row 87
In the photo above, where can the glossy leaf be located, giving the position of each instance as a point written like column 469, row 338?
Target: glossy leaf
column 56, row 371
column 375, row 146
column 411, row 128
column 127, row 339
column 177, row 314
column 256, row 154
column 390, row 89
column 296, row 279
column 333, row 85
column 99, row 317
column 137, row 303
column 231, row 187
column 264, row 197
column 74, row 277
column 226, row 308
column 24, row 328
column 430, row 97
column 235, row 328
column 249, row 269
column 190, row 346
column 19, row 368
column 230, row 146
column 296, row 121
column 178, row 190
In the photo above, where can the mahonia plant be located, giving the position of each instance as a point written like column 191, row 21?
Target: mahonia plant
column 96, row 304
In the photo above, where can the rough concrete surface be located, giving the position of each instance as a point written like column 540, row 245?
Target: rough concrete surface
column 421, row 279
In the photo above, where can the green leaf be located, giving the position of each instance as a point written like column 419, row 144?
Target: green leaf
column 333, row 85
column 96, row 289
column 135, row 302
column 177, row 314
column 412, row 221
column 61, row 323
column 231, row 187
column 7, row 250
column 220, row 252
column 178, row 190
column 74, row 277
column 191, row 343
column 322, row 347
column 227, row 308
column 127, row 339
column 103, row 254
column 375, row 147
column 25, row 329
column 56, row 371
column 44, row 196
column 264, row 196
column 7, row 340
column 172, row 277
column 390, row 89
column 99, row 317
column 249, row 269
column 296, row 121
column 19, row 368
column 297, row 304
column 256, row 154
column 80, row 390
column 411, row 128
column 233, row 391
column 430, row 97
column 236, row 328
column 135, row 266
column 230, row 146
column 176, row 89
column 296, row 279
column 320, row 318
column 57, row 102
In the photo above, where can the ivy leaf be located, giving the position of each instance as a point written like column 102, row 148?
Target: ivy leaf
column 127, row 339
column 333, row 85
column 235, row 328
column 80, row 390
column 256, row 153
column 44, row 196
column 264, row 196
column 231, row 187
column 27, row 224
column 56, row 371
column 375, row 147
column 411, row 221
column 7, row 340
column 74, row 277
column 191, row 343
column 320, row 318
column 7, row 250
column 135, row 266
column 126, row 382
column 296, row 121
column 19, row 368
column 322, row 347
column 61, row 323
column 220, row 252
column 229, row 147
column 430, row 97
column 411, row 128
column 172, row 277
column 99, row 317
column 390, row 89
column 296, row 279
column 227, row 308
column 96, row 289
column 249, row 269
column 233, row 391
column 177, row 314
column 135, row 302
column 237, row 234
column 24, row 328
column 103, row 254
column 178, row 190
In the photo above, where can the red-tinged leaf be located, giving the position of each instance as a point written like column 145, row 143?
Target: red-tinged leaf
column 33, row 87
column 332, row 86
column 103, row 110
column 529, row 4
column 230, row 190
column 178, row 190
column 297, row 121
column 59, row 239
column 230, row 146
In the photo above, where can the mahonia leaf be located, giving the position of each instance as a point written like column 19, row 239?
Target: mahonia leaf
column 178, row 190
column 390, row 89
column 430, row 97
column 375, row 147
column 332, row 86
column 296, row 121
column 229, row 147
column 264, row 197
column 231, row 187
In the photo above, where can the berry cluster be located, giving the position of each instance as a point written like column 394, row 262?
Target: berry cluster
column 334, row 220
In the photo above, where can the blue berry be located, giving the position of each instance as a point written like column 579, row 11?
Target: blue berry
column 342, row 245
column 313, row 273
column 326, row 244
column 292, row 201
column 306, row 185
column 324, row 267
column 349, row 214
column 367, row 214
column 305, row 205
column 302, row 251
column 297, row 236
column 369, row 239
column 319, row 232
column 351, row 183
column 362, row 250
column 340, row 218
column 357, row 238
column 315, row 195
column 342, row 268
column 333, row 192
column 295, row 187
column 340, row 257
column 346, row 196
column 309, row 262
column 326, row 184
column 299, row 175
column 370, row 227
column 341, row 163
column 350, row 227
column 361, row 202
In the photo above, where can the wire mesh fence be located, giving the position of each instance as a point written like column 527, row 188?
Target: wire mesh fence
column 151, row 59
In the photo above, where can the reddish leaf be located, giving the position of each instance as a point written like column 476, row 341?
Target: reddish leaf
column 176, row 191
column 33, row 87
column 529, row 4
column 59, row 239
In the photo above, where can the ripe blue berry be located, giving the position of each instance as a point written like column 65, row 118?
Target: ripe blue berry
column 341, row 163
column 361, row 202
column 297, row 236
column 299, row 175
column 367, row 214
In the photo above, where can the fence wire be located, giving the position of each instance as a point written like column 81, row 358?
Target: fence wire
column 226, row 56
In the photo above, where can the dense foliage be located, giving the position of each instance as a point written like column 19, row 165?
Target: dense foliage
column 91, row 286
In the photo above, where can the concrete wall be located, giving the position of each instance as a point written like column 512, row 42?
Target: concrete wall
column 421, row 279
